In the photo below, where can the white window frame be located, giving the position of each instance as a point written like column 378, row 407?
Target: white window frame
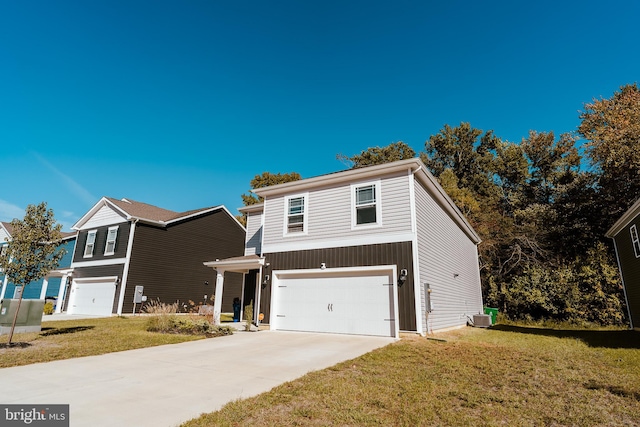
column 304, row 213
column 635, row 241
column 110, row 240
column 378, row 204
column 90, row 245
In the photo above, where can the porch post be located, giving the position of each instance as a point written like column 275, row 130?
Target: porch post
column 45, row 285
column 217, row 302
column 5, row 282
column 61, row 293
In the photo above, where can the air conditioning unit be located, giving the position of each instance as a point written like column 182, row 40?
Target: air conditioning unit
column 481, row 320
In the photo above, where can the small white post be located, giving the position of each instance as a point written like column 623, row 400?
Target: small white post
column 217, row 303
column 45, row 285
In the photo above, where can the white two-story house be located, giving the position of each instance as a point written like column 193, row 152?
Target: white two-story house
column 374, row 251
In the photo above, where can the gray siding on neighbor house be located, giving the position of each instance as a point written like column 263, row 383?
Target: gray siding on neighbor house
column 253, row 244
column 399, row 254
column 329, row 215
column 448, row 261
column 630, row 270
column 168, row 262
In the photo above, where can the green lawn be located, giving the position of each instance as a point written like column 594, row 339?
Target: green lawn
column 507, row 376
column 76, row 338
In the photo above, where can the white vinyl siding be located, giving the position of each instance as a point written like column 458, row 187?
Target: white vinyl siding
column 448, row 262
column 328, row 215
column 112, row 236
column 634, row 240
column 90, row 244
column 105, row 216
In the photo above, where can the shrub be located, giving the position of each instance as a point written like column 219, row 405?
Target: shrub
column 163, row 315
column 48, row 308
column 248, row 316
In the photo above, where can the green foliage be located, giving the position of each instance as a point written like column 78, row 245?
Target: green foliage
column 267, row 179
column 612, row 129
column 34, row 249
column 48, row 307
column 378, row 155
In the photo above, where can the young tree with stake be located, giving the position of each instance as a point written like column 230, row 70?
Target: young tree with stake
column 34, row 250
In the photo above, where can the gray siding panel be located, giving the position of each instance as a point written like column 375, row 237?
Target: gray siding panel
column 448, row 262
column 329, row 213
column 253, row 245
column 399, row 254
column 630, row 269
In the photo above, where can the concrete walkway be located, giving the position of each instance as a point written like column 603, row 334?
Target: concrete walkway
column 167, row 385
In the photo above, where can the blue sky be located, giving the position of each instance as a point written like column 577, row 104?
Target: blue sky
column 180, row 103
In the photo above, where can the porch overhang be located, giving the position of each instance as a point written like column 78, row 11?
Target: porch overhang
column 241, row 264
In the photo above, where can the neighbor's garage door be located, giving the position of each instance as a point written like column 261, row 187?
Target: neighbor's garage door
column 345, row 301
column 92, row 297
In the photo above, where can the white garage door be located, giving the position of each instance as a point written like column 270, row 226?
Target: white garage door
column 92, row 297
column 345, row 301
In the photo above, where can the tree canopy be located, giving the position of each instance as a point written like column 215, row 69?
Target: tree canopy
column 266, row 179
column 34, row 249
column 378, row 155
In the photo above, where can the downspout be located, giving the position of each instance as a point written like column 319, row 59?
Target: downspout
column 417, row 289
column 125, row 272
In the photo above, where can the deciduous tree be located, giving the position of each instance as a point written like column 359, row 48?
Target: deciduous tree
column 34, row 249
column 378, row 155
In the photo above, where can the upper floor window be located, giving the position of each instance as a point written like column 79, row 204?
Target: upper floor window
column 3, row 250
column 366, row 204
column 635, row 240
column 91, row 242
column 110, row 247
column 296, row 218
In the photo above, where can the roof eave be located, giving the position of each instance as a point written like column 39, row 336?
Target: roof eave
column 624, row 220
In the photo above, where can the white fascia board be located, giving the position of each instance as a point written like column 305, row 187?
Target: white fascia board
column 338, row 177
column 236, row 265
column 624, row 220
column 102, row 202
column 258, row 207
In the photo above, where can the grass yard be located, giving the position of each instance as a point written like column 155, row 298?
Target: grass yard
column 66, row 339
column 507, row 375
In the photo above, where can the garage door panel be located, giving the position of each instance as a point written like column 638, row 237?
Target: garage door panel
column 361, row 303
column 94, row 298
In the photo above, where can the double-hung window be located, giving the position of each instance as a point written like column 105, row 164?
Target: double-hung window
column 112, row 235
column 91, row 242
column 634, row 240
column 296, row 221
column 366, row 204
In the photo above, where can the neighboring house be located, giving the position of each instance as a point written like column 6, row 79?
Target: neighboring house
column 627, row 243
column 372, row 251
column 123, row 244
column 51, row 286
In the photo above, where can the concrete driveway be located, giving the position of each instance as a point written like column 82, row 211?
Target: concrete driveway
column 170, row 384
